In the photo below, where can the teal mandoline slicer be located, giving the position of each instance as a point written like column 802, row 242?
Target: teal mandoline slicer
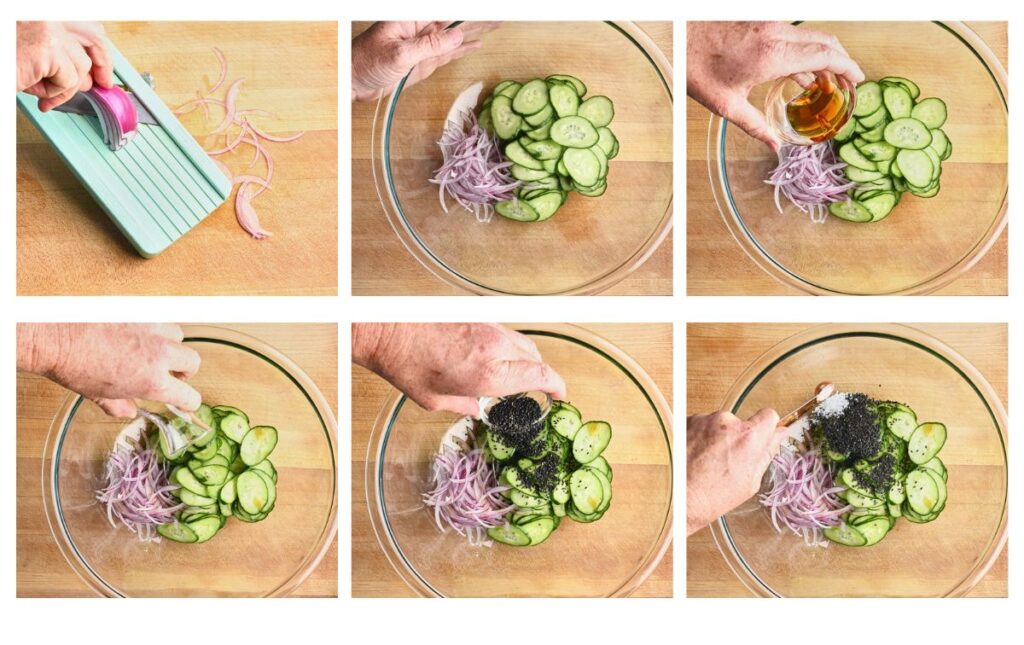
column 155, row 188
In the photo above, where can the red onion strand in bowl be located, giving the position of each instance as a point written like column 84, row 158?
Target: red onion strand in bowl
column 473, row 172
column 811, row 177
column 137, row 492
column 803, row 496
column 466, row 495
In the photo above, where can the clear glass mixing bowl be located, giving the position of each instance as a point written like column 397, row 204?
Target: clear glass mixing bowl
column 925, row 243
column 946, row 557
column 620, row 551
column 589, row 244
column 269, row 558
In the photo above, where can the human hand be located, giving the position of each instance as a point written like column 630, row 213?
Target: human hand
column 58, row 59
column 449, row 366
column 387, row 51
column 113, row 364
column 726, row 60
column 726, row 458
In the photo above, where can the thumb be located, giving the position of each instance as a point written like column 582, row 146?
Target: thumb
column 464, row 405
column 122, row 408
column 752, row 121
column 435, row 43
column 766, row 422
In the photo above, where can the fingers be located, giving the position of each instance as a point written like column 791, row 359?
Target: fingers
column 466, row 406
column 102, row 65
column 121, row 408
column 752, row 121
column 434, row 44
column 765, row 419
column 803, row 57
column 526, row 376
column 523, row 343
column 72, row 75
column 471, row 30
column 183, row 360
column 427, row 67
column 170, row 331
column 180, row 394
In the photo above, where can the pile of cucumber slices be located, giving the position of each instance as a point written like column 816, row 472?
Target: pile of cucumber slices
column 893, row 144
column 916, row 486
column 225, row 473
column 581, row 491
column 557, row 141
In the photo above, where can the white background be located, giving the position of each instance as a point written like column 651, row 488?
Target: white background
column 344, row 619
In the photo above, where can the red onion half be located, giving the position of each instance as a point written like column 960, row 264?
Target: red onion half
column 119, row 121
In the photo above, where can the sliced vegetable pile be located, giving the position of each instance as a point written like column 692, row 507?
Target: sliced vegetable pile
column 136, row 491
column 894, row 144
column 888, row 463
column 557, row 141
column 234, row 130
column 552, row 469
column 466, row 495
column 224, row 473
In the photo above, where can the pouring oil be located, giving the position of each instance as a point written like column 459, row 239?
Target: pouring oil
column 820, row 111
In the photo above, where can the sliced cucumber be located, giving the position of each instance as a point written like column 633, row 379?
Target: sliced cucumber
column 907, row 134
column 574, row 132
column 926, row 442
column 931, row 112
column 258, row 444
column 178, row 532
column 509, row 534
column 591, row 440
column 599, row 110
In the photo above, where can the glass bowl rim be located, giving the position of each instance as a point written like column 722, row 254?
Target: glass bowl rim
column 734, row 222
column 818, row 334
column 60, row 425
column 380, row 161
column 394, row 401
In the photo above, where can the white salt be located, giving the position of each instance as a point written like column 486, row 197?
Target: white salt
column 834, row 405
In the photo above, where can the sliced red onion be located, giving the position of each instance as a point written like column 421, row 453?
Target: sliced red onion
column 810, row 177
column 473, row 170
column 466, row 496
column 137, row 492
column 803, row 495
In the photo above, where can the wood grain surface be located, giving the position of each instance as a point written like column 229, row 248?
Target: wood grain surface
column 68, row 246
column 41, row 569
column 382, row 266
column 372, row 576
column 717, row 265
column 718, row 353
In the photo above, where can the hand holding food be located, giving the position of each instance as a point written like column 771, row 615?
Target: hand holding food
column 514, row 478
column 725, row 460
column 58, row 59
column 448, row 366
column 725, row 60
column 387, row 51
column 113, row 364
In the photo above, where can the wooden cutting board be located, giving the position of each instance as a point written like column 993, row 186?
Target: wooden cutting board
column 382, row 266
column 68, row 246
column 372, row 576
column 717, row 265
column 717, row 353
column 42, row 570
